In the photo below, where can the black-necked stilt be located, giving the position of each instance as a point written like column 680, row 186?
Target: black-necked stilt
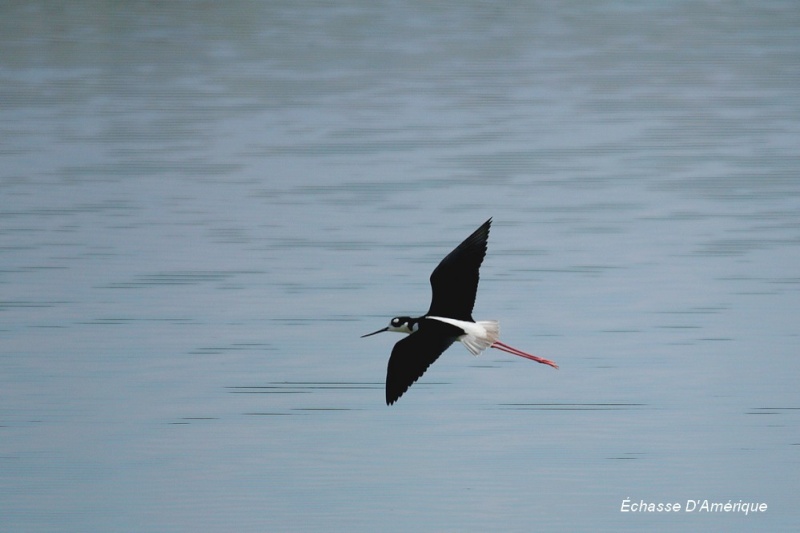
column 454, row 284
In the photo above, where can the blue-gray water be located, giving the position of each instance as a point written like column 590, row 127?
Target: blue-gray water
column 202, row 208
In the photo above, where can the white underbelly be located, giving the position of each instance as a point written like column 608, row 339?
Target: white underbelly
column 477, row 335
column 469, row 328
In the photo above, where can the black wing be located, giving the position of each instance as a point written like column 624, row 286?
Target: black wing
column 412, row 356
column 455, row 281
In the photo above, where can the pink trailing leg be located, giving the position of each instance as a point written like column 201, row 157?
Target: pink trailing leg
column 510, row 349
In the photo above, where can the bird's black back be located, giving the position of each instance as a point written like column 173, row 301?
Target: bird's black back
column 455, row 281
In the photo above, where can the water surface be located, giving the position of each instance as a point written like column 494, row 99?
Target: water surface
column 202, row 208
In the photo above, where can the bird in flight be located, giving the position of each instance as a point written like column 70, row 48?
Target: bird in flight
column 454, row 283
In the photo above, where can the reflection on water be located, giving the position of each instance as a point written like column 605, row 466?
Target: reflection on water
column 202, row 208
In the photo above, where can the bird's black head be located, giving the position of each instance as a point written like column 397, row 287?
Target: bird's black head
column 400, row 324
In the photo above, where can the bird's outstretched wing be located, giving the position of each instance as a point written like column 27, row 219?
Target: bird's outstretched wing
column 412, row 356
column 455, row 281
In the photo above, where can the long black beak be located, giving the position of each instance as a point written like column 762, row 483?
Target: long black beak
column 376, row 332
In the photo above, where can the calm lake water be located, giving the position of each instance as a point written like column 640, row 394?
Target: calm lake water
column 202, row 208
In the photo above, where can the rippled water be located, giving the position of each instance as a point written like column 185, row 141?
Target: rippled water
column 203, row 207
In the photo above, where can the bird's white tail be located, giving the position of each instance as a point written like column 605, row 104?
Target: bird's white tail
column 478, row 343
